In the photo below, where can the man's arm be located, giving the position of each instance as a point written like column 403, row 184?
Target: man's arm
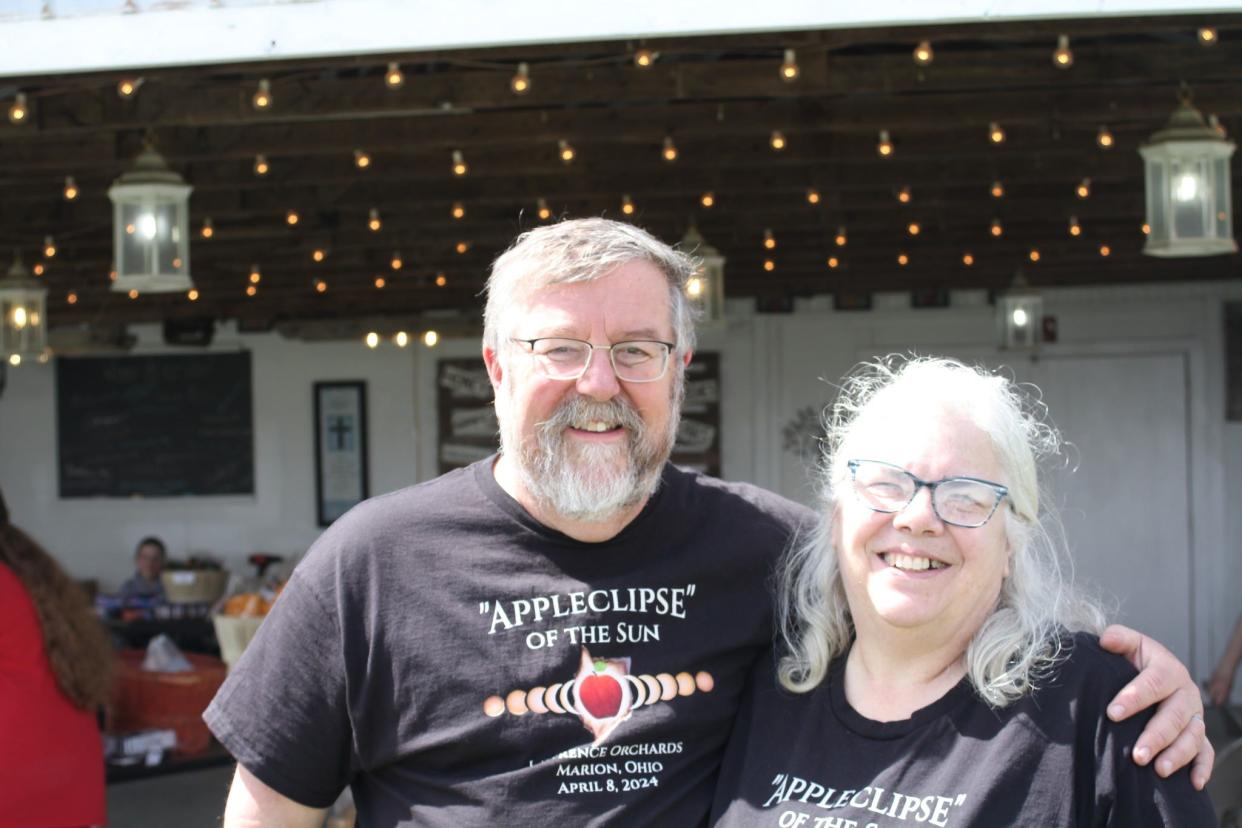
column 252, row 804
column 1176, row 734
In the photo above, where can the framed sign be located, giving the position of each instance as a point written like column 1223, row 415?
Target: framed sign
column 340, row 448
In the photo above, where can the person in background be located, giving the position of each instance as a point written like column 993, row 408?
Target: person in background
column 55, row 672
column 149, row 560
column 1221, row 682
column 938, row 665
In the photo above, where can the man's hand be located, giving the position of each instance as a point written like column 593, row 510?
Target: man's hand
column 1175, row 735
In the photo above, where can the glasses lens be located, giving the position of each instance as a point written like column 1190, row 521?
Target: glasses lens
column 965, row 502
column 561, row 357
column 639, row 361
column 882, row 487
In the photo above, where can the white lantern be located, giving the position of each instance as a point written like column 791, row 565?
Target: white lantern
column 1019, row 313
column 1188, row 189
column 705, row 289
column 151, row 228
column 23, row 316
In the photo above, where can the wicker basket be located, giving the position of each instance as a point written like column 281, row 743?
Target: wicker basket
column 233, row 633
column 143, row 700
column 194, row 586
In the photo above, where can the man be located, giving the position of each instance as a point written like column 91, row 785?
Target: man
column 148, row 566
column 558, row 635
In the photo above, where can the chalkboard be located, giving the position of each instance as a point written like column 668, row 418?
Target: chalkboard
column 155, row 426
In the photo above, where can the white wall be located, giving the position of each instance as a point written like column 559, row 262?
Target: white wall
column 771, row 367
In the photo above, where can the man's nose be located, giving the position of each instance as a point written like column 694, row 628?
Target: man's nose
column 599, row 381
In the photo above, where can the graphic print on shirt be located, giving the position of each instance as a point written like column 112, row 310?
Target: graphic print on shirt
column 869, row 807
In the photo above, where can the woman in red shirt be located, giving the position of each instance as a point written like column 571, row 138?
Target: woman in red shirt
column 55, row 671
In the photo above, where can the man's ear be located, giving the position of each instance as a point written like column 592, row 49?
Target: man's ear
column 495, row 371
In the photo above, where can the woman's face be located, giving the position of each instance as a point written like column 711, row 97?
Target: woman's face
column 885, row 558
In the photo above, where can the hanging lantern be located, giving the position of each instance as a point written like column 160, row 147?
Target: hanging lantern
column 705, row 289
column 151, row 227
column 23, row 315
column 1019, row 312
column 1188, row 188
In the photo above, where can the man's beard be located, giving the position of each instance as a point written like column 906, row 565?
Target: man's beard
column 583, row 481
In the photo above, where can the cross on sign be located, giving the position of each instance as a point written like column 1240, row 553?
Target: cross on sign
column 340, row 429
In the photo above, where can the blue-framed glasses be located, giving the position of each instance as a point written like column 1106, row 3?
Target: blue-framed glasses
column 957, row 501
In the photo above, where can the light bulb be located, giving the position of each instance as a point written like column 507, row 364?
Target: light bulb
column 708, row 199
column 255, row 275
column 520, row 82
column 834, row 262
column 19, row 317
column 1146, row 228
column 769, row 241
column 1105, row 250
column 72, row 298
column 544, row 212
column 321, row 286
column 39, row 269
column 441, row 280
column 1062, row 57
column 396, row 262
column 914, row 228
column 362, row 160
column 380, row 282
column 49, row 247
column 789, row 67
column 643, row 58
column 904, row 195
column 841, row 238
column 372, row 340
column 459, row 164
column 968, row 258
column 1208, row 36
column 373, row 220
column 147, row 226
column 126, row 87
column 566, row 151
column 261, row 167
column 812, row 195
column 694, row 287
column 462, row 247
column 1019, row 317
column 1034, row 254
column 18, row 112
column 998, row 189
column 769, row 265
column 1104, row 138
column 923, row 54
column 669, row 152
column 133, row 293
column 459, row 210
column 318, row 254
column 430, row 339
column 71, row 188
column 998, row 229
column 903, row 259
column 15, row 359
column 401, row 339
column 1075, row 229
column 777, row 140
column 393, row 78
column 1083, row 190
column 291, row 217
column 208, row 230
column 885, row 145
column 192, row 294
column 1186, row 188
column 995, row 134
column 263, row 95
column 627, row 205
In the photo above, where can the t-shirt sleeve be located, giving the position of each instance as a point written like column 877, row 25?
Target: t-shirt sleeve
column 283, row 710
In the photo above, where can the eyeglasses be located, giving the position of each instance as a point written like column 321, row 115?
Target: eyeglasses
column 636, row 360
column 957, row 501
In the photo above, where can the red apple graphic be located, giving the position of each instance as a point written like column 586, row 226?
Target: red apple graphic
column 600, row 693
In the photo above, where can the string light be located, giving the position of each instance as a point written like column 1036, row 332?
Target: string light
column 923, row 54
column 462, row 247
column 998, row 229
column 903, row 259
column 321, row 286
column 1083, row 190
column 459, row 210
column 1062, row 57
column 133, row 293
column 394, row 78
column 255, row 275
column 777, row 140
column 441, row 280
column 71, row 188
column 380, row 282
column 1208, row 36
column 1105, row 250
column 362, row 159
column 430, row 339
column 126, row 87
column 544, row 211
column 968, row 259
column 373, row 220
column 292, row 218
column 769, row 241
column 627, row 205
column 18, row 112
column 995, row 134
column 251, row 290
column 669, row 152
column 72, row 298
column 459, row 164
column 192, row 294
column 372, row 340
column 644, row 57
column 261, row 167
column 904, row 195
column 694, row 287
column 401, row 339
column 834, row 262
column 566, row 151
column 1146, row 229
column 841, row 238
column 998, row 189
column 812, row 195
column 49, row 247
column 885, row 145
column 769, row 265
column 318, row 255
column 789, row 67
column 208, row 230
column 1104, row 138
column 1034, row 254
column 914, row 228
column 396, row 262
column 520, row 82
column 1075, row 229
column 38, row 269
column 263, row 95
column 708, row 200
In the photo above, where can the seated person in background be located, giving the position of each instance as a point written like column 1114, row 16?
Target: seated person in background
column 938, row 667
column 148, row 565
column 55, row 672
column 1221, row 682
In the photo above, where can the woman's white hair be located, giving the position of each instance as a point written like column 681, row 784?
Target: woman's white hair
column 582, row 250
column 1038, row 603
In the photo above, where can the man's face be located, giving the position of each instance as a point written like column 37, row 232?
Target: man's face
column 150, row 561
column 592, row 447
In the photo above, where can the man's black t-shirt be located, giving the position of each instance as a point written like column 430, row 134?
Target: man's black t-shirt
column 457, row 663
column 1051, row 758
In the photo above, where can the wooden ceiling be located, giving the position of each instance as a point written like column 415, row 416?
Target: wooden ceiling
column 717, row 98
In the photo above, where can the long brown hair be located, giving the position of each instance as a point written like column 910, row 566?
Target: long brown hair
column 76, row 643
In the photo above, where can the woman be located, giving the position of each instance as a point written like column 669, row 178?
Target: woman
column 938, row 669
column 55, row 664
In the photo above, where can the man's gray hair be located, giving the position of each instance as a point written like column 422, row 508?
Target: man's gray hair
column 582, row 250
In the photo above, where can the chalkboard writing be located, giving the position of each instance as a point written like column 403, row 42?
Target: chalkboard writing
column 155, row 426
